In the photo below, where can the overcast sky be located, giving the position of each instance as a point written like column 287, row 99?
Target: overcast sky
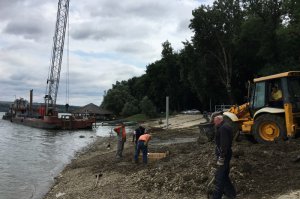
column 110, row 40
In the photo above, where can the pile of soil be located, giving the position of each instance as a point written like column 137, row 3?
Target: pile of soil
column 258, row 170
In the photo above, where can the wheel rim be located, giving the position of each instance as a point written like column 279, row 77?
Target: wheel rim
column 269, row 131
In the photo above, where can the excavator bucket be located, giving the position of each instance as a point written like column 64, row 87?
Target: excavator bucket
column 208, row 130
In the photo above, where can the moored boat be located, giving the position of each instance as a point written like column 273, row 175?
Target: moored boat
column 21, row 112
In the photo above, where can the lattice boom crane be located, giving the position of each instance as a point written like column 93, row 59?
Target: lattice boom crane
column 56, row 57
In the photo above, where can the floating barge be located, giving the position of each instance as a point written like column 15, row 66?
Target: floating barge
column 21, row 112
column 54, row 122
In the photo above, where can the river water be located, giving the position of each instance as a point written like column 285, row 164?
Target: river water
column 30, row 158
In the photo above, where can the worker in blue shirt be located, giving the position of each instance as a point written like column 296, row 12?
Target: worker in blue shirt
column 137, row 133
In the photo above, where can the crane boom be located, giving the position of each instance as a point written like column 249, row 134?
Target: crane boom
column 56, row 57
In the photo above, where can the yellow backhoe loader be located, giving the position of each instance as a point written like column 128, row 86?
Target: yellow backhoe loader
column 273, row 110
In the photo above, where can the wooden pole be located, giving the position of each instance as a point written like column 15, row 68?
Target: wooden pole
column 167, row 111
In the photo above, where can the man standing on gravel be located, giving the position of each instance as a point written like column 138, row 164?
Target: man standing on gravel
column 121, row 136
column 142, row 145
column 223, row 139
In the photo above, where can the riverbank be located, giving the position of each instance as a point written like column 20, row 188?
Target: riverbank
column 258, row 171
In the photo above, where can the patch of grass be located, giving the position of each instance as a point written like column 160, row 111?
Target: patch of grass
column 137, row 118
column 142, row 117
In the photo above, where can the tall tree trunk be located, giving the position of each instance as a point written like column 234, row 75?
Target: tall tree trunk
column 225, row 69
column 229, row 93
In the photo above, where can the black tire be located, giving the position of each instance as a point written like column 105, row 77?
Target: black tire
column 269, row 128
column 234, row 126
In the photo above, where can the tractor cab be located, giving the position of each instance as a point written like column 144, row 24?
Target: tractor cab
column 275, row 106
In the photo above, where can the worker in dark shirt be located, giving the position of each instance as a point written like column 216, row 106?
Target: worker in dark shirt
column 223, row 139
column 137, row 133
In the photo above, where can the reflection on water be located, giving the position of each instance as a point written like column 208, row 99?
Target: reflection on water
column 31, row 158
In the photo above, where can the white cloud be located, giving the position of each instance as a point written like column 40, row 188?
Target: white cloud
column 110, row 40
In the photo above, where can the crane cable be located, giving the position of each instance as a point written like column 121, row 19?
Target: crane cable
column 67, row 72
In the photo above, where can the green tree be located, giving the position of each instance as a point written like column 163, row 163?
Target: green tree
column 148, row 107
column 156, row 81
column 138, row 87
column 167, row 50
column 130, row 108
column 116, row 97
column 233, row 42
column 289, row 36
column 196, row 78
column 163, row 79
column 216, row 31
column 267, row 17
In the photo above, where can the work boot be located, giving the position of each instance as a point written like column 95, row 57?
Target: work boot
column 210, row 196
column 118, row 158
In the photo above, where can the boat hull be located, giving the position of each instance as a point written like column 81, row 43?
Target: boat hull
column 55, row 123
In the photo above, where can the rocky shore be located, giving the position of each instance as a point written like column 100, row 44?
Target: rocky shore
column 258, row 171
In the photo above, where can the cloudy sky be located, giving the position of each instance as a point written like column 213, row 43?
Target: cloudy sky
column 110, row 40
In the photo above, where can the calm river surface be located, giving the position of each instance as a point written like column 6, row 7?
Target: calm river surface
column 30, row 158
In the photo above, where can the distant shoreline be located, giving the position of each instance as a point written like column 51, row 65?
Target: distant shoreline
column 4, row 106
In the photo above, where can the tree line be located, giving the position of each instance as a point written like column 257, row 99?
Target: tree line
column 233, row 42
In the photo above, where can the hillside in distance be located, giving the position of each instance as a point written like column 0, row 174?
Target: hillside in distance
column 4, row 106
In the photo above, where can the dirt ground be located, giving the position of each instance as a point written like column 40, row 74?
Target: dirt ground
column 269, row 171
